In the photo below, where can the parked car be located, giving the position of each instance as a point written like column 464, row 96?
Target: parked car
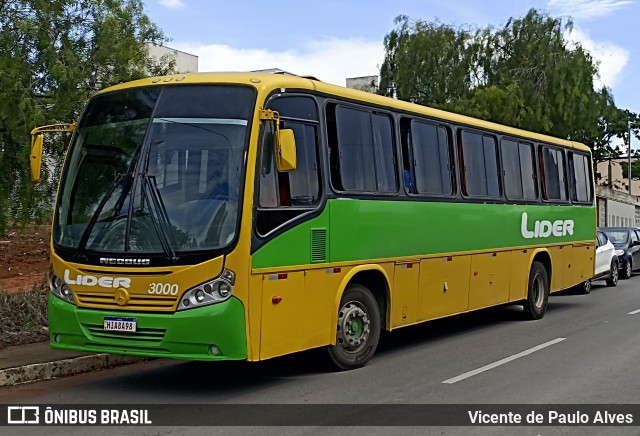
column 626, row 240
column 606, row 267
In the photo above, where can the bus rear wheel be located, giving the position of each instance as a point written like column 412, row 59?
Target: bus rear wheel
column 538, row 293
column 358, row 329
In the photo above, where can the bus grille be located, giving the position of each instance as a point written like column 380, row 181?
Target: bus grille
column 143, row 302
column 150, row 335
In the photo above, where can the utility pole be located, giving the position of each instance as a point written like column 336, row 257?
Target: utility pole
column 629, row 167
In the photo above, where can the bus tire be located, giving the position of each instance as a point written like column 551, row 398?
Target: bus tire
column 538, row 292
column 358, row 329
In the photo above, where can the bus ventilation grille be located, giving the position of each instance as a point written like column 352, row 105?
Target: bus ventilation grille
column 318, row 245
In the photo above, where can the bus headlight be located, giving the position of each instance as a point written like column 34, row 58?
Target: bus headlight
column 224, row 289
column 200, row 295
column 214, row 291
column 59, row 288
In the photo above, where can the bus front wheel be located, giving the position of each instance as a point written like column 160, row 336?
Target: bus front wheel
column 538, row 293
column 358, row 329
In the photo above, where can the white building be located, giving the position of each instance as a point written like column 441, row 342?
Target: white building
column 185, row 62
column 617, row 208
column 365, row 83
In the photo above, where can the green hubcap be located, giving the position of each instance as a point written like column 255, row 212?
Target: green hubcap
column 354, row 326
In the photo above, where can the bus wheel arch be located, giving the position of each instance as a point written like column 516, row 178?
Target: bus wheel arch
column 375, row 279
column 544, row 258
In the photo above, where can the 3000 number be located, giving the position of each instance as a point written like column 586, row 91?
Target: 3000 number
column 163, row 289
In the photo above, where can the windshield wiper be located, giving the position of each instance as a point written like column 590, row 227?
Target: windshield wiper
column 128, row 178
column 160, row 220
column 94, row 219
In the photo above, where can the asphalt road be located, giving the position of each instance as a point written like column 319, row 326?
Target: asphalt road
column 586, row 350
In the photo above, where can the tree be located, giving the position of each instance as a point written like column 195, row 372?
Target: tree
column 634, row 129
column 54, row 54
column 525, row 74
column 635, row 168
column 428, row 63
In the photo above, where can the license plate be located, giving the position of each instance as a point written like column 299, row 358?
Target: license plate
column 113, row 324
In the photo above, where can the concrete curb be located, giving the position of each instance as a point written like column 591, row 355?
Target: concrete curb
column 63, row 368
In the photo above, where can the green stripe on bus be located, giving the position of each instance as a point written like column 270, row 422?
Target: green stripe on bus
column 375, row 229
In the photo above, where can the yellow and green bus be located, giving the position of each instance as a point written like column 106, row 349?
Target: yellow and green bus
column 244, row 216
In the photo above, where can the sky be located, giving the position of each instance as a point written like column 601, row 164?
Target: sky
column 336, row 39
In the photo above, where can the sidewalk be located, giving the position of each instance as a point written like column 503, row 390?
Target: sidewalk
column 24, row 261
column 36, row 362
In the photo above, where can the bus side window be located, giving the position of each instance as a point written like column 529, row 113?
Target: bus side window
column 267, row 174
column 479, row 162
column 303, row 183
column 518, row 168
column 431, row 151
column 580, row 177
column 408, row 162
column 362, row 150
column 334, row 151
column 283, row 196
column 553, row 169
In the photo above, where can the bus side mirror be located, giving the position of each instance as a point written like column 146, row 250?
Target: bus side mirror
column 37, row 138
column 35, row 158
column 285, row 150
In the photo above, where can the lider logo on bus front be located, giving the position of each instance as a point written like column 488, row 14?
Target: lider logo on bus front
column 544, row 228
column 103, row 282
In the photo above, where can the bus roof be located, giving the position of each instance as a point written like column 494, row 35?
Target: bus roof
column 273, row 81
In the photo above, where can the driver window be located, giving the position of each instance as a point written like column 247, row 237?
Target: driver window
column 283, row 196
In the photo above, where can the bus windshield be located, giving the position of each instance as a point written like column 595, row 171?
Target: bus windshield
column 156, row 169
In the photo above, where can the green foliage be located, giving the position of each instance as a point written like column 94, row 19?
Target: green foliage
column 54, row 54
column 525, row 74
column 428, row 62
column 635, row 166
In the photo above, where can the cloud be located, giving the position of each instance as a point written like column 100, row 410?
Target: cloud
column 331, row 60
column 172, row 4
column 611, row 58
column 586, row 9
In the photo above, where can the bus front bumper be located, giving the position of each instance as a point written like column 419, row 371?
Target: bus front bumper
column 215, row 332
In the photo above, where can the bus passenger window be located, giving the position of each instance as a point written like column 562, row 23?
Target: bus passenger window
column 407, row 155
column 480, row 165
column 520, row 182
column 431, row 151
column 355, row 145
column 580, row 178
column 555, row 180
column 362, row 152
column 384, row 153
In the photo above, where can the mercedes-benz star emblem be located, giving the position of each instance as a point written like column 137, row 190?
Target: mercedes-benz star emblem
column 122, row 296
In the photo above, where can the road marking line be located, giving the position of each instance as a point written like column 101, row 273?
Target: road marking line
column 502, row 361
column 634, row 312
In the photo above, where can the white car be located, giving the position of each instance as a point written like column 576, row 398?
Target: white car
column 606, row 264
